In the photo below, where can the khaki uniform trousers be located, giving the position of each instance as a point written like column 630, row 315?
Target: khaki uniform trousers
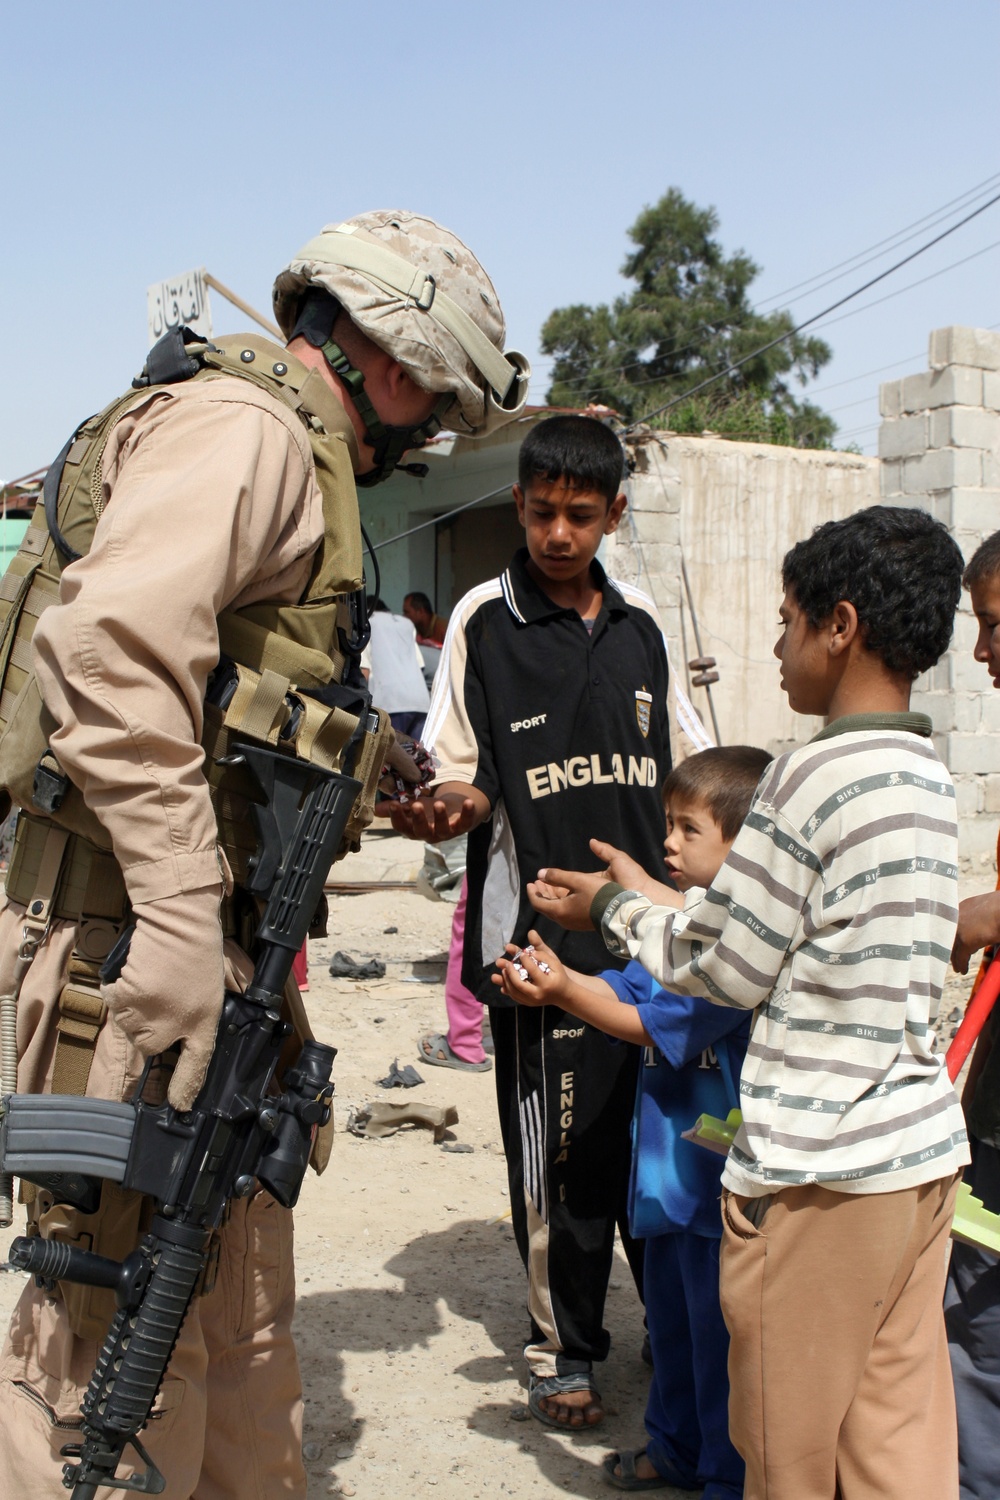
column 228, row 1421
column 840, row 1383
column 227, row 1424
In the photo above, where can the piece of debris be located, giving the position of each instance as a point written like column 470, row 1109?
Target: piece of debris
column 343, row 966
column 387, row 930
column 382, row 1118
column 400, row 1078
column 456, row 1146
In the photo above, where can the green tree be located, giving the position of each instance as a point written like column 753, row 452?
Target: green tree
column 688, row 317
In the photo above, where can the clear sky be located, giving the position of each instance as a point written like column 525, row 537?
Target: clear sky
column 142, row 140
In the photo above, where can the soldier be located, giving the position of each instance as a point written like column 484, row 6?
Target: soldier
column 227, row 527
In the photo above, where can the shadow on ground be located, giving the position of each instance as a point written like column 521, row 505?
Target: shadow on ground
column 457, row 1309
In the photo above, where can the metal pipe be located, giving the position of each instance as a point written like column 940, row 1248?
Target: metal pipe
column 697, row 641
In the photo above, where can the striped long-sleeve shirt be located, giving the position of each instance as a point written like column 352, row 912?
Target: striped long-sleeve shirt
column 833, row 917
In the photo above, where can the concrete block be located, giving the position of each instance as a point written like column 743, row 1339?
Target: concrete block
column 914, row 392
column 989, row 709
column 976, row 753
column 970, row 799
column 942, row 469
column 902, row 436
column 955, row 385
column 991, row 788
column 890, row 399
column 977, row 840
column 654, row 528
column 967, row 713
column 964, row 346
column 967, row 675
column 648, row 492
column 975, row 510
column 890, row 476
column 991, row 470
column 940, row 675
column 960, row 427
column 991, row 390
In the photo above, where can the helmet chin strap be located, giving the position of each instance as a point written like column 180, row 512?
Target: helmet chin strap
column 389, row 442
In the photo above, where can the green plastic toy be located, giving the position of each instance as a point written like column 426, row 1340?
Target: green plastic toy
column 973, row 1224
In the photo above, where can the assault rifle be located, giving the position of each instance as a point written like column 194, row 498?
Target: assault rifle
column 240, row 1131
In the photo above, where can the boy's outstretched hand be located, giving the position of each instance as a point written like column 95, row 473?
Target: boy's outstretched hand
column 566, row 896
column 437, row 816
column 624, row 870
column 531, row 976
column 978, row 927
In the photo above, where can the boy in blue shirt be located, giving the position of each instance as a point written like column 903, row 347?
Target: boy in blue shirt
column 694, row 1053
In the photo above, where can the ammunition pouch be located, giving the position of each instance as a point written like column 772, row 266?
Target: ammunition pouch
column 298, row 682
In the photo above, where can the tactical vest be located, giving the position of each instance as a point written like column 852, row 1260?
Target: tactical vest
column 288, row 675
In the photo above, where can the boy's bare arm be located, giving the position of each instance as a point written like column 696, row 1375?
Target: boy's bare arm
column 589, row 999
column 978, row 927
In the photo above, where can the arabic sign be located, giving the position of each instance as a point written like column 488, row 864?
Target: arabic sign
column 180, row 301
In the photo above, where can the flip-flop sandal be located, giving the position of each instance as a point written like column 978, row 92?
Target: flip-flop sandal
column 628, row 1479
column 540, row 1390
column 434, row 1050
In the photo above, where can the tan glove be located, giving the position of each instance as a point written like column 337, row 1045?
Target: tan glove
column 171, row 988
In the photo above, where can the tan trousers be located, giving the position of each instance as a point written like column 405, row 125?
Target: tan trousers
column 228, row 1421
column 838, row 1365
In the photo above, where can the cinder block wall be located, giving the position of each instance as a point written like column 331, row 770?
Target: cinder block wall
column 733, row 509
column 939, row 446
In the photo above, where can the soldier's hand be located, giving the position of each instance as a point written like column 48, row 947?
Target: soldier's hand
column 171, row 988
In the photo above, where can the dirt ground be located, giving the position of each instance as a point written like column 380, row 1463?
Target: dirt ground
column 411, row 1293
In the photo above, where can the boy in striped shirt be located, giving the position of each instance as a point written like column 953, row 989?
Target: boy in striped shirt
column 833, row 918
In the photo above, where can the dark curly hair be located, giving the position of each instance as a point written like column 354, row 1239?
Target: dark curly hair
column 984, row 564
column 898, row 567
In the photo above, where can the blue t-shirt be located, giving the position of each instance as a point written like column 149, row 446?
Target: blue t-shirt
column 693, row 1069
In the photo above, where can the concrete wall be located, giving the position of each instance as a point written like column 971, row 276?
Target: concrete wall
column 732, row 510
column 940, row 450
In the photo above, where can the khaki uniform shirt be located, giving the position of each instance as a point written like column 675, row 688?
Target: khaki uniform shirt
column 210, row 501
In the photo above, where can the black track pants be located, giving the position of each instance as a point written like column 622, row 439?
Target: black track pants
column 565, row 1093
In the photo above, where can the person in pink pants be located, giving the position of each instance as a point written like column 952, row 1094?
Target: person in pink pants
column 462, row 1045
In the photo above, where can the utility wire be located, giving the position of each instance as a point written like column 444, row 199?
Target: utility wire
column 882, row 247
column 911, row 284
column 437, row 520
column 824, row 278
column 808, row 322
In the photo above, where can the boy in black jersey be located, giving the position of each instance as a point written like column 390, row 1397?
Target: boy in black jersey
column 549, row 725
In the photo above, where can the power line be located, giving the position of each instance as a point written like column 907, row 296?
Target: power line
column 879, row 370
column 437, row 520
column 855, row 261
column 902, row 236
column 862, row 257
column 911, row 284
column 808, row 322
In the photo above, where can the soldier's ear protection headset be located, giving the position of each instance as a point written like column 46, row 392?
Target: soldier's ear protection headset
column 317, row 315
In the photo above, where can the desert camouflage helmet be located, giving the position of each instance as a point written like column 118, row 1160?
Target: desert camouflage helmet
column 421, row 295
